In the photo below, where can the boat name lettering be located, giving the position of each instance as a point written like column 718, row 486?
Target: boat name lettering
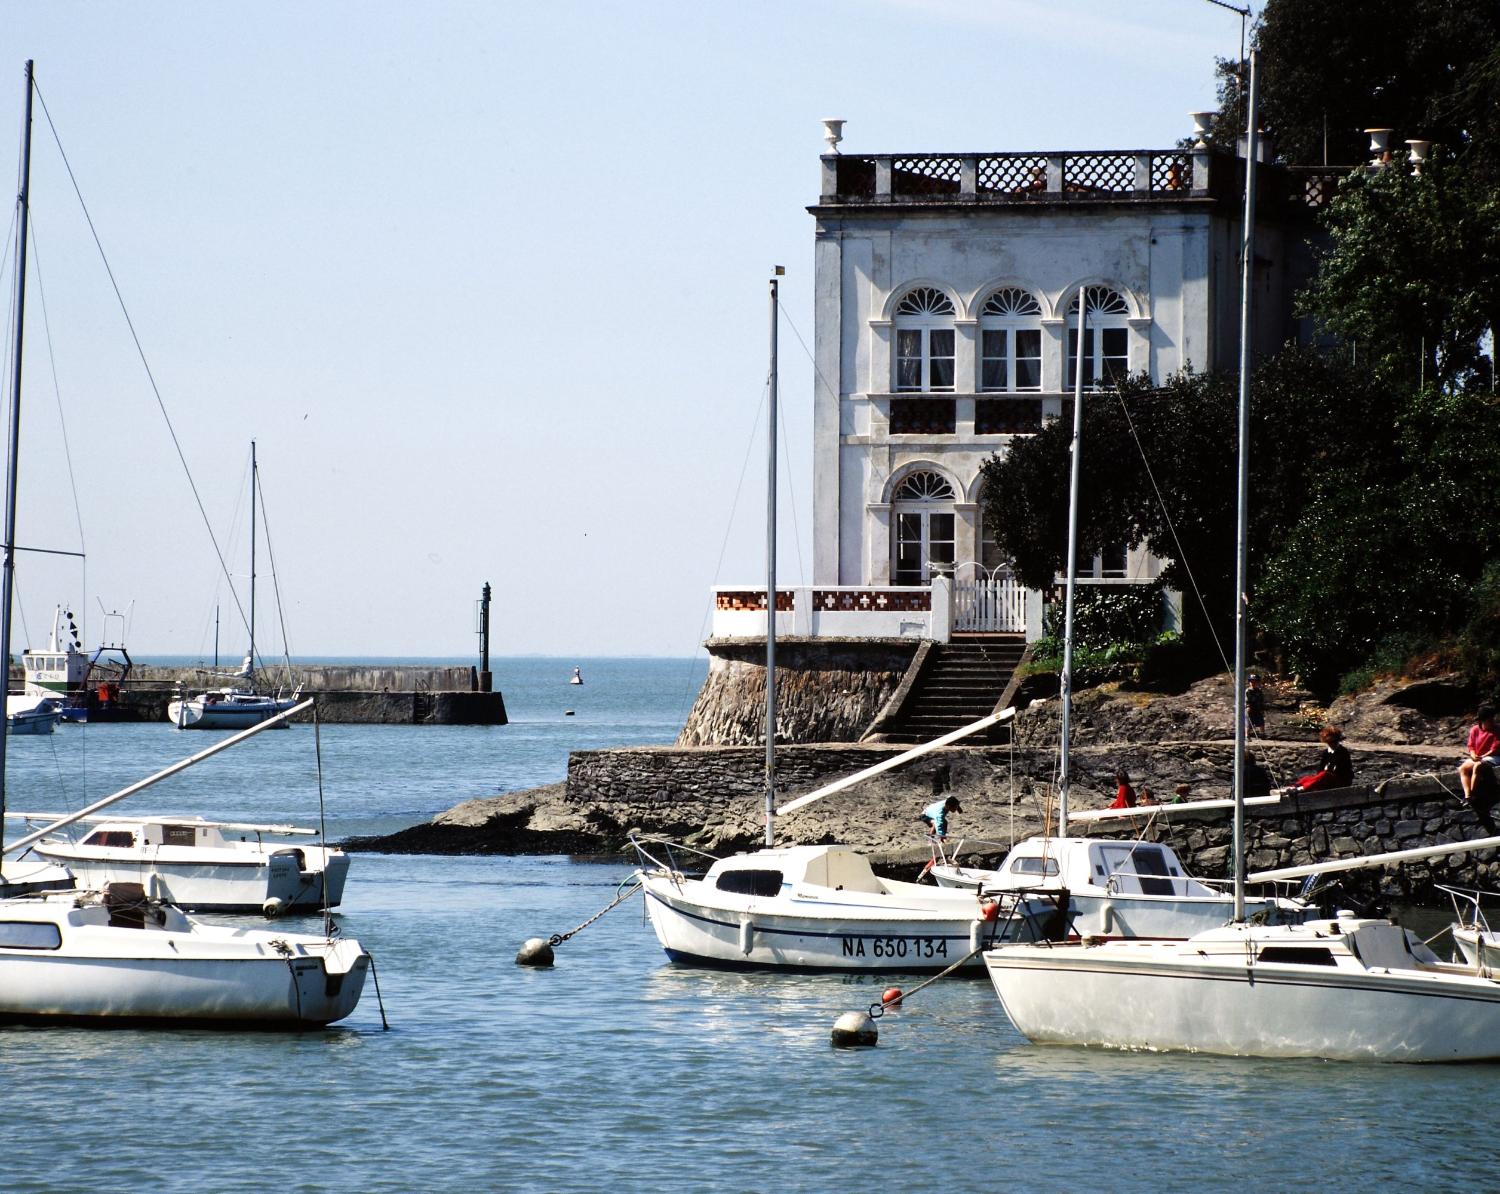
column 895, row 947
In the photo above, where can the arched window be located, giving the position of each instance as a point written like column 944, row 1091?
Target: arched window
column 923, row 528
column 1010, row 341
column 924, row 341
column 1106, row 338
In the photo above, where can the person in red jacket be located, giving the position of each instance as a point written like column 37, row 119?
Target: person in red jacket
column 1124, row 794
column 1338, row 768
column 1483, row 749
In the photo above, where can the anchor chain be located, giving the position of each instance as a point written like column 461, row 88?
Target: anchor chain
column 558, row 938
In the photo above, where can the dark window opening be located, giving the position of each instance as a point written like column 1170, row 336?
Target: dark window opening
column 922, row 416
column 1301, row 955
column 1007, row 416
column 754, row 883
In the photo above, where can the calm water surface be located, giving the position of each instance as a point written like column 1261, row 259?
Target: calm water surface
column 616, row 1070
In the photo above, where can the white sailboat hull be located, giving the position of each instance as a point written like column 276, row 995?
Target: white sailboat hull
column 194, row 713
column 243, row 884
column 1180, row 997
column 1478, row 948
column 169, row 969
column 709, row 928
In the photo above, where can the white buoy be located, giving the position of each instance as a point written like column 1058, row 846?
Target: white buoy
column 854, row 1029
column 536, row 952
column 272, row 908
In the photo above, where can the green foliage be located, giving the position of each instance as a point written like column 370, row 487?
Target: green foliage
column 1330, row 69
column 1412, row 276
column 1479, row 641
column 1105, row 616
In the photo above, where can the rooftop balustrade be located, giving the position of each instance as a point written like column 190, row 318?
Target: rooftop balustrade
column 1148, row 175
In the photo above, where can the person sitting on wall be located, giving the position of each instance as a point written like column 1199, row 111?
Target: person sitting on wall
column 935, row 816
column 1124, row 793
column 1338, row 768
column 1483, row 748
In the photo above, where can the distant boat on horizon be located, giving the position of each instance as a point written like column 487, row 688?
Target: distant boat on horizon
column 577, row 677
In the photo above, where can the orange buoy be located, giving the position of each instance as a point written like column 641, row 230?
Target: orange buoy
column 892, row 997
column 989, row 910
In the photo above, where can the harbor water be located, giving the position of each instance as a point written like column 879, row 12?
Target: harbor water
column 615, row 1069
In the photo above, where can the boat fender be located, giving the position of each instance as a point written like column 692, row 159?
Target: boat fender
column 272, row 908
column 989, row 910
column 747, row 936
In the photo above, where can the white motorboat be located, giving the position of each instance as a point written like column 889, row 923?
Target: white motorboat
column 1115, row 888
column 203, row 866
column 118, row 956
column 26, row 715
column 1346, row 988
column 816, row 908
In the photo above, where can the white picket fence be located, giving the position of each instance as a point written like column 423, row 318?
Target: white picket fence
column 996, row 604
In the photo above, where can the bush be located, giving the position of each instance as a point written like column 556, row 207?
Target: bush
column 1109, row 616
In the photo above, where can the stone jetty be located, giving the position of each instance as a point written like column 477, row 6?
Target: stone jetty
column 1405, row 740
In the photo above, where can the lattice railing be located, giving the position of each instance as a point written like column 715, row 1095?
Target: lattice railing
column 1007, row 416
column 1171, row 172
column 903, row 600
column 926, row 175
column 750, row 600
column 1099, row 173
column 1013, row 174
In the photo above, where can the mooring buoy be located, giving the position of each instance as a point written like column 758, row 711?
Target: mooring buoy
column 537, row 951
column 892, row 998
column 853, row 1029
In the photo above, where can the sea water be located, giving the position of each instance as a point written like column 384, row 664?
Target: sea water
column 616, row 1070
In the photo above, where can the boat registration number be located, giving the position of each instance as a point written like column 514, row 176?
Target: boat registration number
column 895, row 947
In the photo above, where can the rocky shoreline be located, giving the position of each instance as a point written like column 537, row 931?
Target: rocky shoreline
column 711, row 796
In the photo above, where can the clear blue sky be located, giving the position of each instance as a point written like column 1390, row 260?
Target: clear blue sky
column 486, row 282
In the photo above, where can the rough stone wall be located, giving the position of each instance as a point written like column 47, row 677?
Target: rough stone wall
column 826, row 690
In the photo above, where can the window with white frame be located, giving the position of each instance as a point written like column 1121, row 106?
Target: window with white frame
column 1106, row 338
column 1010, row 342
column 1110, row 564
column 923, row 528
column 924, row 341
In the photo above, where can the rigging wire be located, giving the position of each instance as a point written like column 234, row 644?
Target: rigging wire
column 62, row 422
column 140, row 349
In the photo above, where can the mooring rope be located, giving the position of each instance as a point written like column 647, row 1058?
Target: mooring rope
column 379, row 999
column 878, row 1009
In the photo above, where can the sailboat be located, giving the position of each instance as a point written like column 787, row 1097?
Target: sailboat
column 236, row 706
column 1112, row 888
column 818, row 907
column 117, row 955
column 1343, row 988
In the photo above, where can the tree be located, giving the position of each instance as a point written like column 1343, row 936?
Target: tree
column 1366, row 502
column 1330, row 69
column 1412, row 274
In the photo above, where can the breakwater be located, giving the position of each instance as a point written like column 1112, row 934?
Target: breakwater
column 407, row 694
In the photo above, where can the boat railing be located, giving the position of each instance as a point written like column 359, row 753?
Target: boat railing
column 671, row 863
column 1466, row 905
column 1040, row 913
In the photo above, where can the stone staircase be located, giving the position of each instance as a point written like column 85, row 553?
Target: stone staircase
column 955, row 683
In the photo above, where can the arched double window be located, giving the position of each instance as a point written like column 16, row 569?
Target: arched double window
column 1106, row 338
column 924, row 341
column 923, row 531
column 1010, row 342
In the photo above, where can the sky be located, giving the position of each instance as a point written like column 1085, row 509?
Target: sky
column 485, row 282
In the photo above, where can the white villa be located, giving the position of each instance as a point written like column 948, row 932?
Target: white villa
column 947, row 290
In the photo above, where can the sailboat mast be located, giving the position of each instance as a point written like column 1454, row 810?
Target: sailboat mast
column 1064, row 776
column 771, row 575
column 254, row 488
column 1242, row 536
column 8, row 572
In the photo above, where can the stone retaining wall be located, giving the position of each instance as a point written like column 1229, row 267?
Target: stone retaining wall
column 827, row 690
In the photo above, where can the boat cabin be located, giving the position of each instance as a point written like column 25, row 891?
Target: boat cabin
column 1128, row 868
column 767, row 873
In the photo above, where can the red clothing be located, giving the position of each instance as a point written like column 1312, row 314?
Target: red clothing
column 1124, row 797
column 1483, row 742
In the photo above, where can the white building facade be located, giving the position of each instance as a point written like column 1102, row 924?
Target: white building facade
column 947, row 291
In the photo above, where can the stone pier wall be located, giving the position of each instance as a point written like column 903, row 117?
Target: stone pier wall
column 827, row 690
